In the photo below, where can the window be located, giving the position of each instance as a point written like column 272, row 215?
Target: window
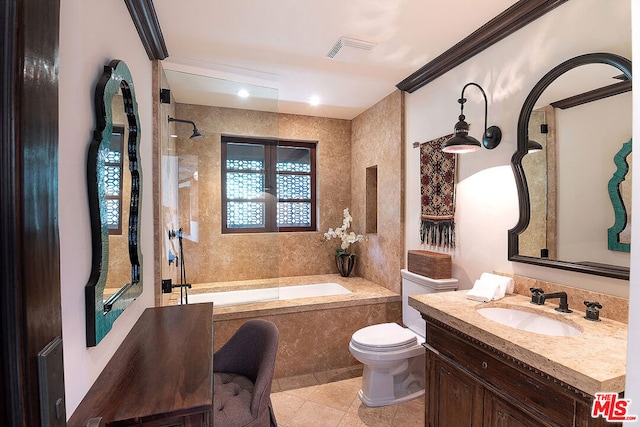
column 268, row 185
column 113, row 181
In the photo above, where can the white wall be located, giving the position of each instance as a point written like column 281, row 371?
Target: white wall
column 487, row 205
column 92, row 34
column 633, row 351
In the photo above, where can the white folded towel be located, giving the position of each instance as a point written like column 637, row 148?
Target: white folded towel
column 505, row 282
column 485, row 291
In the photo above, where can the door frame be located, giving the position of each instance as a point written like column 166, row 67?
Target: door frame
column 30, row 303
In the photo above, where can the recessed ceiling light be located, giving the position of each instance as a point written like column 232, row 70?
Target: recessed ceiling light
column 314, row 100
column 173, row 135
column 243, row 93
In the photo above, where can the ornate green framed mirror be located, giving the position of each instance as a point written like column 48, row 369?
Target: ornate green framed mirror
column 113, row 154
column 620, row 194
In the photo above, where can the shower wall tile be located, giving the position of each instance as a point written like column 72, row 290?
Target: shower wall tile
column 210, row 256
column 345, row 149
column 377, row 140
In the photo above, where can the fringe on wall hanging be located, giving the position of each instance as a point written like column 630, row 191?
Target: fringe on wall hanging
column 438, row 231
column 437, row 190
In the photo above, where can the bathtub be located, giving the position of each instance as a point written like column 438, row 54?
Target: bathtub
column 269, row 294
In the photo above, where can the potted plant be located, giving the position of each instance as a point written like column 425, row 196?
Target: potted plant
column 345, row 260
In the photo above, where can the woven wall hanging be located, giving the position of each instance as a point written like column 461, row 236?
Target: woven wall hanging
column 438, row 194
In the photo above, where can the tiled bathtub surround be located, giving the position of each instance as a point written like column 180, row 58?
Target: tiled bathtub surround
column 314, row 332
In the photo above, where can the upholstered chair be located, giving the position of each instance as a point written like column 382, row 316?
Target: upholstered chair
column 242, row 376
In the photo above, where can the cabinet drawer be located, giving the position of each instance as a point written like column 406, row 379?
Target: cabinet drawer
column 515, row 383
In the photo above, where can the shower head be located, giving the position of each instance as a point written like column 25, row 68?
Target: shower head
column 196, row 133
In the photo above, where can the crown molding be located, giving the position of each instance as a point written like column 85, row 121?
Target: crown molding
column 144, row 17
column 511, row 20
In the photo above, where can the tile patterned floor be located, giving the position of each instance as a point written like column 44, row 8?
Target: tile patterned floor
column 328, row 399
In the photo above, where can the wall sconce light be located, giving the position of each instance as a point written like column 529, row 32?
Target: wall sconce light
column 461, row 142
column 196, row 133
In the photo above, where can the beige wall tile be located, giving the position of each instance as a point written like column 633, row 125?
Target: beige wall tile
column 344, row 150
column 378, row 140
column 314, row 341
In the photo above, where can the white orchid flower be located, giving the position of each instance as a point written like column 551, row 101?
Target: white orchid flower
column 347, row 237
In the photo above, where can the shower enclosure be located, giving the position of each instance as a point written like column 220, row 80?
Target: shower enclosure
column 196, row 242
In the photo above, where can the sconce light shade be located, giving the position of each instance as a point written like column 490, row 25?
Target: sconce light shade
column 461, row 142
column 533, row 146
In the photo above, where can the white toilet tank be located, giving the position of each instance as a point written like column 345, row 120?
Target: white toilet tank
column 415, row 284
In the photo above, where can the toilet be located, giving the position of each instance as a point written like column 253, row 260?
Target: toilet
column 392, row 355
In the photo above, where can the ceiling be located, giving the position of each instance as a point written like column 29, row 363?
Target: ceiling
column 280, row 48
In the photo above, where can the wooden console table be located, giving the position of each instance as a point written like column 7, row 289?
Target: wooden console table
column 162, row 374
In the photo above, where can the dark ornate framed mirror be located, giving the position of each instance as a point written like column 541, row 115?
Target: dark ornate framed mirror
column 113, row 154
column 573, row 123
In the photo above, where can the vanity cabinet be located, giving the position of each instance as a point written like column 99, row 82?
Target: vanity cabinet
column 473, row 384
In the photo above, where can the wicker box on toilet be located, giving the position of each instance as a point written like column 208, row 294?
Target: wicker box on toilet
column 430, row 264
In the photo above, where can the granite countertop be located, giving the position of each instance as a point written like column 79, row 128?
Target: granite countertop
column 593, row 361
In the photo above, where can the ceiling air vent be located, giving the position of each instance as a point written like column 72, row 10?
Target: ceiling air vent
column 349, row 42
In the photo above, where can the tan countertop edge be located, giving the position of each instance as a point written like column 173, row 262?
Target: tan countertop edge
column 594, row 361
column 295, row 306
column 364, row 292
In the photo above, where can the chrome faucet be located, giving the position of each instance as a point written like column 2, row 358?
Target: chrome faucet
column 538, row 297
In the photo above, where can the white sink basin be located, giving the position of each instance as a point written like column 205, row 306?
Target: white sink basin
column 530, row 322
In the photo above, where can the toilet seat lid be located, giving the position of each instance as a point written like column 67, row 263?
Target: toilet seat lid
column 389, row 336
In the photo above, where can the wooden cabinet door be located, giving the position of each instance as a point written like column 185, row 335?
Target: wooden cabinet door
column 455, row 398
column 471, row 384
column 499, row 413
